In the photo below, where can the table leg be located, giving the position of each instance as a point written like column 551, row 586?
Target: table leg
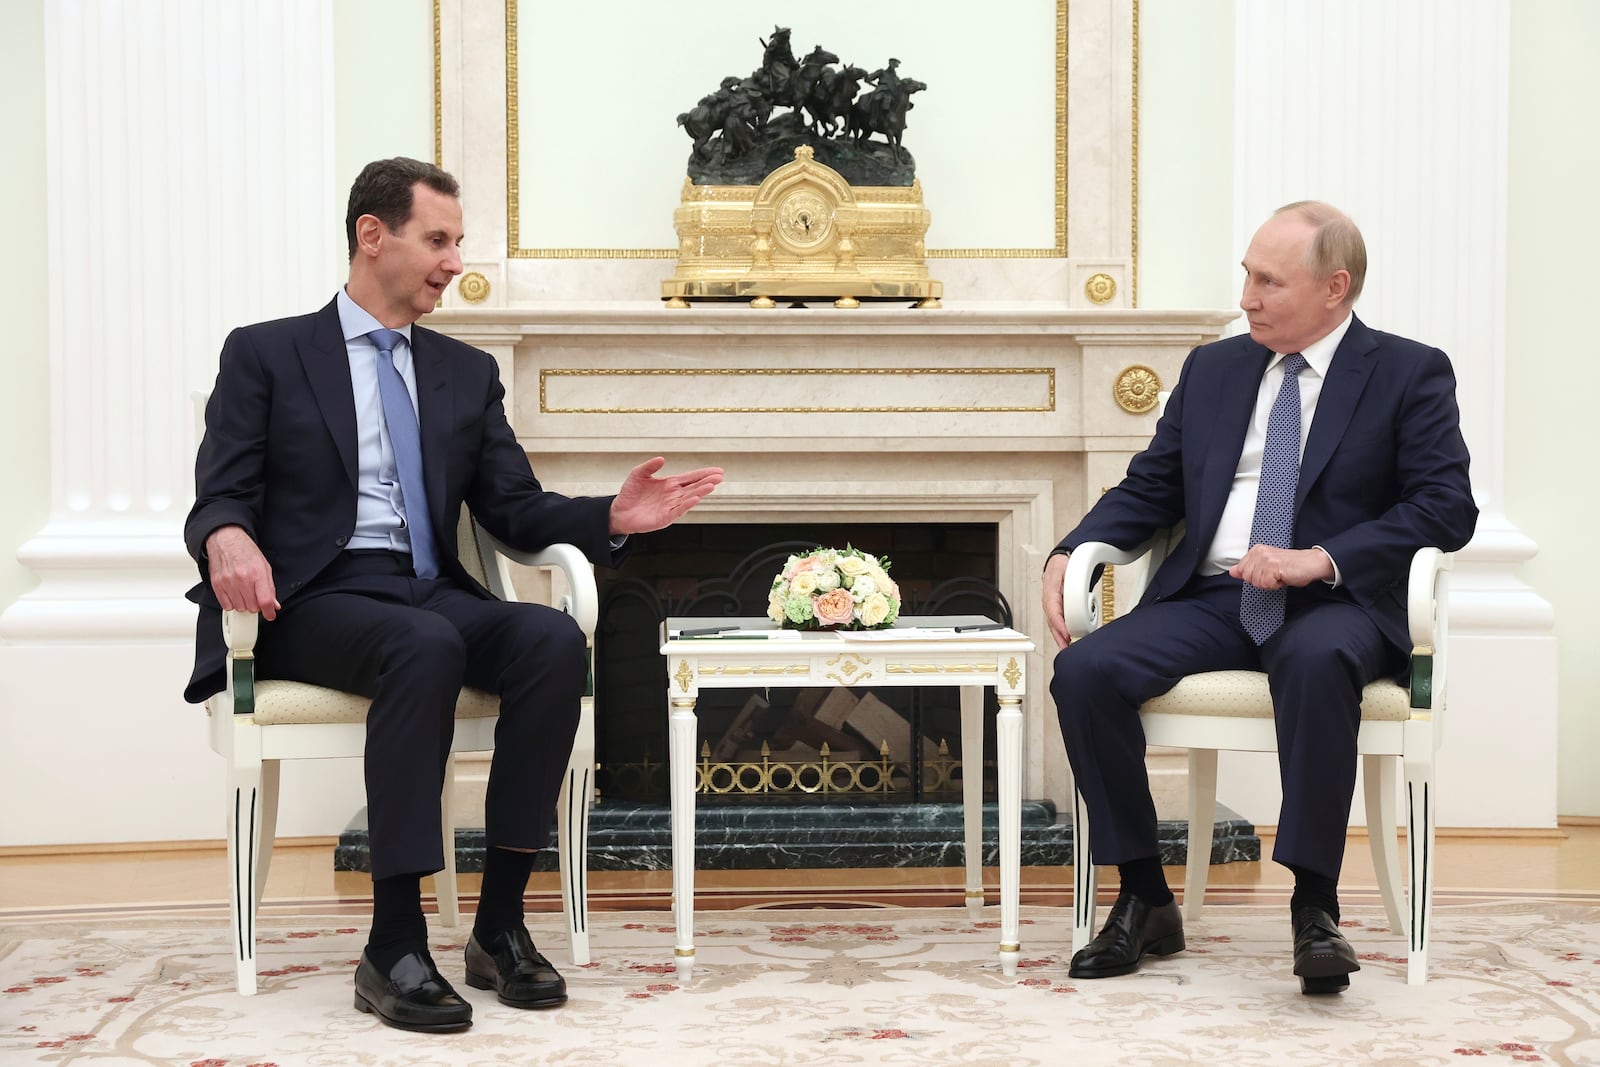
column 680, row 772
column 1008, row 757
column 972, row 794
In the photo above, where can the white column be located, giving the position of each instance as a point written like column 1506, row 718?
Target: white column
column 1397, row 113
column 190, row 168
column 189, row 155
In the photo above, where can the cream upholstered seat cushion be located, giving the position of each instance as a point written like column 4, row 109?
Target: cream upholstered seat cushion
column 1244, row 695
column 280, row 702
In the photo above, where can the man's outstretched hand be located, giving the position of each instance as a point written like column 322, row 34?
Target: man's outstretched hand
column 646, row 502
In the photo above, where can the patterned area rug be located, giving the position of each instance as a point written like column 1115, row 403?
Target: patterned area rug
column 1511, row 982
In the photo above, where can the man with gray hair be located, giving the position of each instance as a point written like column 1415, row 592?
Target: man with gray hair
column 1309, row 461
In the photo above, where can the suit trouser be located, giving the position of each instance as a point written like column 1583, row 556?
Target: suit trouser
column 1316, row 665
column 367, row 625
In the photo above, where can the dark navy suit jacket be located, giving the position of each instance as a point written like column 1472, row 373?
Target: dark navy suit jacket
column 1384, row 471
column 279, row 459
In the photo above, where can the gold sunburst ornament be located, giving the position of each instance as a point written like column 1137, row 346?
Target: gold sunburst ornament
column 1100, row 288
column 474, row 287
column 1136, row 389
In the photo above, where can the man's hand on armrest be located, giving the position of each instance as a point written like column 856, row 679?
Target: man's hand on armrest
column 241, row 577
column 1055, row 570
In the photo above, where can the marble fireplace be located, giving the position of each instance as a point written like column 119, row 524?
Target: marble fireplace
column 1006, row 418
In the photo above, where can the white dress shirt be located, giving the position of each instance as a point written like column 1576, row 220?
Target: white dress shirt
column 1232, row 539
column 380, row 509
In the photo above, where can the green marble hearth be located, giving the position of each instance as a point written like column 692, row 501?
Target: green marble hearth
column 628, row 836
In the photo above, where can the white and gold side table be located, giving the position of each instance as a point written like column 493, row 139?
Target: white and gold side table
column 753, row 653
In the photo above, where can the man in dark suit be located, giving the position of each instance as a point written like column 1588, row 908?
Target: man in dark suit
column 339, row 449
column 1309, row 462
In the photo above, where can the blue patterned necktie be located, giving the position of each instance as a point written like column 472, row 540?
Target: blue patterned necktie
column 401, row 420
column 1261, row 610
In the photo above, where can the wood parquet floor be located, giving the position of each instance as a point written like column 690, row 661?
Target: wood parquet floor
column 1562, row 863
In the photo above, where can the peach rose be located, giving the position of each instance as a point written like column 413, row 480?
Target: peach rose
column 834, row 608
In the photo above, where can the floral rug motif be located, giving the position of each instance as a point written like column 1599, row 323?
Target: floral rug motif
column 1511, row 982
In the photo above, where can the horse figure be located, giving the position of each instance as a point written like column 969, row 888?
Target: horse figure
column 884, row 111
column 805, row 80
column 778, row 68
column 707, row 117
column 830, row 99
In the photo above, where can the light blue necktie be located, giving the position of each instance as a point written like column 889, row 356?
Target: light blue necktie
column 1261, row 610
column 401, row 419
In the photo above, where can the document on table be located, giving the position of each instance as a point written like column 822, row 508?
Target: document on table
column 927, row 633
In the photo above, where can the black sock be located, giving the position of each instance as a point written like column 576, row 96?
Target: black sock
column 505, row 880
column 1146, row 880
column 1314, row 890
column 397, row 923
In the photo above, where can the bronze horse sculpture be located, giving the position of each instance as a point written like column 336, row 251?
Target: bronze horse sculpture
column 884, row 111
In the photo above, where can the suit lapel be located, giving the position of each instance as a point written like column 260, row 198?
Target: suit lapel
column 1231, row 409
column 1348, row 374
column 327, row 367
column 435, row 411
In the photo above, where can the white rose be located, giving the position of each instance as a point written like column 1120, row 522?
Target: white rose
column 827, row 581
column 853, row 566
column 863, row 587
column 803, row 584
column 874, row 609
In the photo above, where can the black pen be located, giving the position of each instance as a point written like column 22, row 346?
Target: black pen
column 981, row 626
column 707, row 631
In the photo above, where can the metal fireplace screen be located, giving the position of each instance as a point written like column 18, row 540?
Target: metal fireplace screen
column 799, row 745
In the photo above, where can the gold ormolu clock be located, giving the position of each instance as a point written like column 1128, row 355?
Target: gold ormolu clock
column 804, row 221
column 803, row 233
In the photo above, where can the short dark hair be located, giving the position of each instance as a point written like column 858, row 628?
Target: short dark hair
column 383, row 189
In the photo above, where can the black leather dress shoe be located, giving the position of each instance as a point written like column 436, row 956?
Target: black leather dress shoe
column 412, row 996
column 1133, row 931
column 1322, row 957
column 515, row 970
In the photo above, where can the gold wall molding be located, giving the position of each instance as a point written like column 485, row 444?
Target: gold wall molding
column 546, row 374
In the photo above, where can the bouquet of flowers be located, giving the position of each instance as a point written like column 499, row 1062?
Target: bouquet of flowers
column 834, row 589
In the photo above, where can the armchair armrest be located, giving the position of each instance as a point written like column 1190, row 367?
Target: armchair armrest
column 583, row 598
column 239, row 632
column 1081, row 607
column 1427, row 616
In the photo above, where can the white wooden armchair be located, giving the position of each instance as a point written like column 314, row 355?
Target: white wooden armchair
column 254, row 725
column 1232, row 710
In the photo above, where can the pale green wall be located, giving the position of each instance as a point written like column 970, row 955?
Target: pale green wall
column 1552, row 351
column 25, row 342
column 1186, row 259
column 383, row 84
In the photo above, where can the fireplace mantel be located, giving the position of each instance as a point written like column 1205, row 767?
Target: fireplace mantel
column 1003, row 414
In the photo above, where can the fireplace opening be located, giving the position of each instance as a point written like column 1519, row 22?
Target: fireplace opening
column 819, row 745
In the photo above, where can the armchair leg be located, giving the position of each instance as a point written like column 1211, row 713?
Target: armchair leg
column 1202, row 828
column 444, row 883
column 268, row 808
column 1383, row 834
column 1419, row 841
column 1084, row 881
column 572, row 815
column 244, row 803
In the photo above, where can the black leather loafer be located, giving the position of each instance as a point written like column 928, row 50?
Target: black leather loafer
column 515, row 970
column 412, row 996
column 1133, row 930
column 1322, row 957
